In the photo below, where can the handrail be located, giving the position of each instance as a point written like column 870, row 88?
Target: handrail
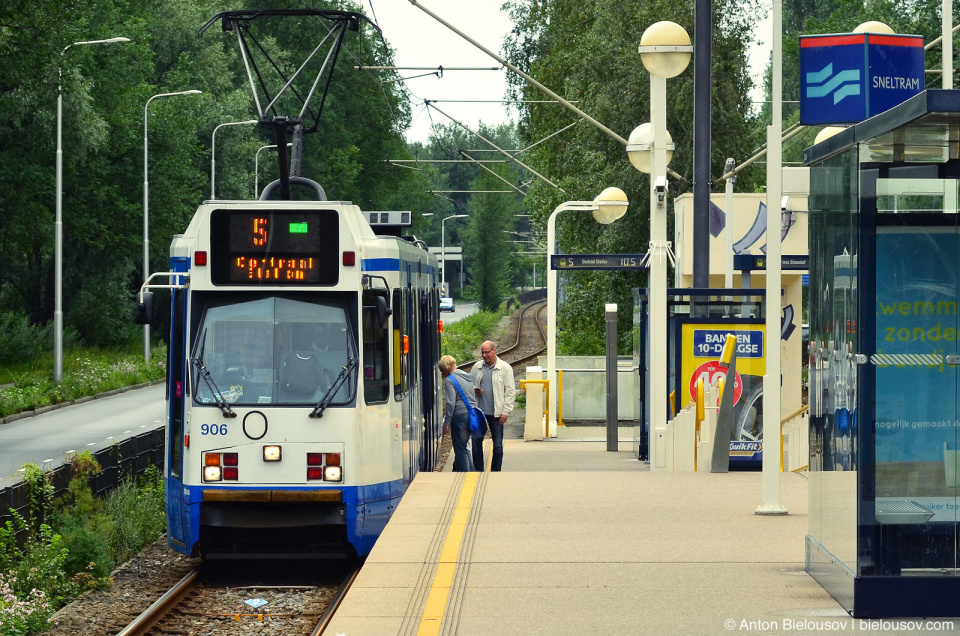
column 546, row 392
column 559, row 399
column 799, row 411
column 786, row 420
column 630, row 369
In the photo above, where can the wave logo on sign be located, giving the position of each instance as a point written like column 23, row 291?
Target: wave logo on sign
column 823, row 82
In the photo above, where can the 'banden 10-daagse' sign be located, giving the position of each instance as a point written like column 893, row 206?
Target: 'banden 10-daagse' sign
column 847, row 78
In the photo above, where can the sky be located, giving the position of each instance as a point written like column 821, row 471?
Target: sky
column 421, row 41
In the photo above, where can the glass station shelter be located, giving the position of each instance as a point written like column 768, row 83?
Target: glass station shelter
column 884, row 532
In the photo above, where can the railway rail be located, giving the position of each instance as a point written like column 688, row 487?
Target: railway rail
column 530, row 340
column 217, row 603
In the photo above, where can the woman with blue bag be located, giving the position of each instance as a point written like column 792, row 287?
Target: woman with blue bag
column 458, row 391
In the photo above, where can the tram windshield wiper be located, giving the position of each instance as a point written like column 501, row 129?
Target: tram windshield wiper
column 321, row 406
column 208, row 379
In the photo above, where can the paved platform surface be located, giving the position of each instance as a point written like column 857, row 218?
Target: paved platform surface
column 573, row 539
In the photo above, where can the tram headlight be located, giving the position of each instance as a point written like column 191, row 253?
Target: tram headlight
column 271, row 453
column 211, row 473
column 332, row 473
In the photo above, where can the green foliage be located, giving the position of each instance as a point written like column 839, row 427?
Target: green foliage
column 36, row 565
column 105, row 90
column 490, row 195
column 22, row 617
column 588, row 53
column 99, row 534
column 92, row 537
column 19, row 340
column 138, row 513
column 41, row 493
column 462, row 339
column 86, row 372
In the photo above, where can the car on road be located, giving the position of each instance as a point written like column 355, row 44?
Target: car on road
column 446, row 304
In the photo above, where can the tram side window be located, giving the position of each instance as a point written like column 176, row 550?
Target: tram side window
column 376, row 352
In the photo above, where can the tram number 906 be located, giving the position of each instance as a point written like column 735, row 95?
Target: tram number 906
column 213, row 429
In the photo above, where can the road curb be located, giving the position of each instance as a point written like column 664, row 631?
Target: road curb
column 53, row 407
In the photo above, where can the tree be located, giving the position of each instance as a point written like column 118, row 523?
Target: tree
column 105, row 89
column 587, row 51
column 488, row 194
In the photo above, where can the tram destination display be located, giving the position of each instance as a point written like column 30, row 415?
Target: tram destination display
column 274, row 247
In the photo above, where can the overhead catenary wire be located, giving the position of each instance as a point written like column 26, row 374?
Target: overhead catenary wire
column 502, row 151
column 480, row 165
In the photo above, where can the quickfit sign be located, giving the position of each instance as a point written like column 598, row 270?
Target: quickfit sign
column 845, row 79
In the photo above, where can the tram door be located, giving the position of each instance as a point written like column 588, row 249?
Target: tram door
column 176, row 399
column 916, row 269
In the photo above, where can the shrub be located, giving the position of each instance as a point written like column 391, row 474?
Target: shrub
column 22, row 617
column 37, row 565
column 19, row 340
column 138, row 514
column 463, row 337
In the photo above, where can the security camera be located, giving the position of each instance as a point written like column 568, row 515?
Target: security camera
column 660, row 189
column 785, row 203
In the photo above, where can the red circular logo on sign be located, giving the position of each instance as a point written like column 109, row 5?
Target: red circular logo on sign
column 710, row 372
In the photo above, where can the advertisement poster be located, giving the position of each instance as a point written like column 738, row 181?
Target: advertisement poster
column 701, row 345
column 916, row 394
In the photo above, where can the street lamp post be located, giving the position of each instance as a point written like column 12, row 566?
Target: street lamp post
column 256, row 169
column 443, row 250
column 146, row 209
column 58, row 225
column 213, row 152
column 609, row 206
column 665, row 52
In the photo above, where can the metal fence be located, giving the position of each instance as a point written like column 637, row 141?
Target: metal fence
column 121, row 461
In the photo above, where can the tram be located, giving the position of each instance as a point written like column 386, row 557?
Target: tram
column 303, row 388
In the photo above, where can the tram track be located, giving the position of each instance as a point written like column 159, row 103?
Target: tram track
column 529, row 342
column 220, row 601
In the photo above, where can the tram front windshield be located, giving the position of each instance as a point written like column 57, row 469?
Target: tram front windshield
column 273, row 351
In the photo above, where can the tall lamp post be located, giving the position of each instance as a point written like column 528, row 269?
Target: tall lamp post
column 146, row 209
column 58, row 225
column 665, row 52
column 609, row 206
column 443, row 250
column 213, row 152
column 256, row 169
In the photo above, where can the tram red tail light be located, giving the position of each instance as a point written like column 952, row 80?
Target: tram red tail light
column 230, row 459
column 314, row 472
column 231, row 473
column 314, row 459
column 199, row 258
column 349, row 259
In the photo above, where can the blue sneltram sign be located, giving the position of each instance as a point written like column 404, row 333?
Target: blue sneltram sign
column 847, row 78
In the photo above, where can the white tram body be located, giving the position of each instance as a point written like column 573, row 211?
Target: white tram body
column 303, row 392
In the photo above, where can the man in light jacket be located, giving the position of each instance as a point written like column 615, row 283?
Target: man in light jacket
column 495, row 390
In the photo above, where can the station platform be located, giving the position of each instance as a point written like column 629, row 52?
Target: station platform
column 573, row 539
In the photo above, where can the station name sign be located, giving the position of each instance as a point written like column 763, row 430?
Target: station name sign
column 597, row 261
column 846, row 78
column 750, row 262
